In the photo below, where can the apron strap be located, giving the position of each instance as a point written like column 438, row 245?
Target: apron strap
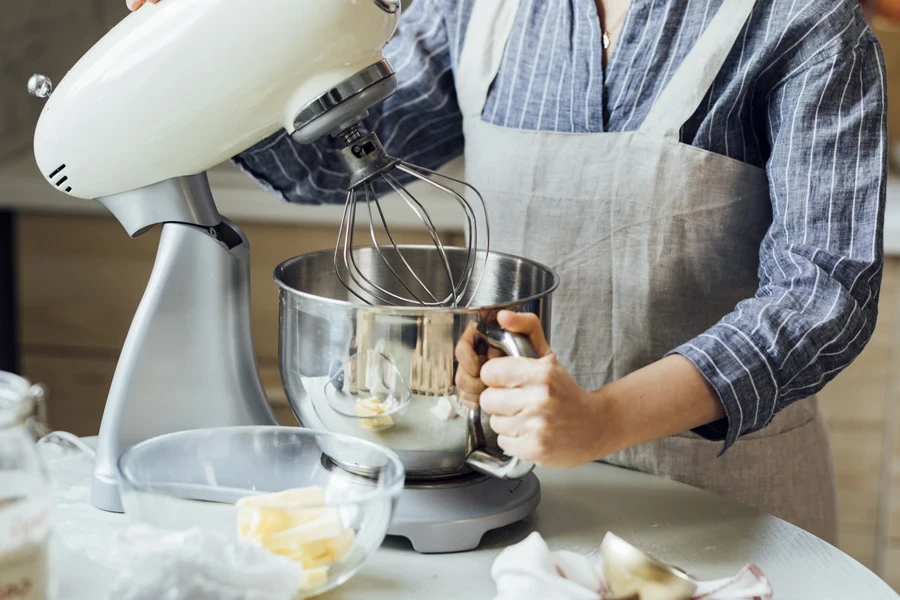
column 486, row 36
column 682, row 97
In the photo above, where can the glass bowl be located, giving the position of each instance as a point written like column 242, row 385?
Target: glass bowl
column 195, row 478
column 381, row 382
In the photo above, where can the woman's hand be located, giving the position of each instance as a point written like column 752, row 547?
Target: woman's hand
column 537, row 409
column 136, row 4
column 541, row 414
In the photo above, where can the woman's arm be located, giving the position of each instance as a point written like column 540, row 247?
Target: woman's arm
column 821, row 260
column 421, row 122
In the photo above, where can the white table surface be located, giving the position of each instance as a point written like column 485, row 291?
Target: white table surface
column 705, row 534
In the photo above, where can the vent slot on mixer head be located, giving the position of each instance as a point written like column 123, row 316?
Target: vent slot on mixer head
column 62, row 180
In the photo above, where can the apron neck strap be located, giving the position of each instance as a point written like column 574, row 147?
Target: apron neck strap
column 490, row 26
column 694, row 78
column 486, row 36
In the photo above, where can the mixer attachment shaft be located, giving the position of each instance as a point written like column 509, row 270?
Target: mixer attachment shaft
column 372, row 170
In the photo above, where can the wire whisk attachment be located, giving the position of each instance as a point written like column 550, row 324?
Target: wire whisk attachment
column 396, row 278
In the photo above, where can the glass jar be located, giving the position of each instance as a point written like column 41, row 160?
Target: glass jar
column 26, row 498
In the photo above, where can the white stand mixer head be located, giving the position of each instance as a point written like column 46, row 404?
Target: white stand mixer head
column 181, row 86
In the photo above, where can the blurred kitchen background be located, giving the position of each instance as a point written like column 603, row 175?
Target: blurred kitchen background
column 70, row 277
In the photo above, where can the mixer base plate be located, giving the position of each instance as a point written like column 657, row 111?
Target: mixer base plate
column 453, row 518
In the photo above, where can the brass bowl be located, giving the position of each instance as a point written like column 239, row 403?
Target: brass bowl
column 631, row 573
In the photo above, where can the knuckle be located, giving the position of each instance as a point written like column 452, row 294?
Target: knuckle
column 542, row 446
column 544, row 397
column 490, row 372
column 465, row 343
column 469, row 400
column 466, row 356
column 463, row 380
column 547, row 371
column 541, row 424
column 488, row 400
column 467, row 388
column 496, row 425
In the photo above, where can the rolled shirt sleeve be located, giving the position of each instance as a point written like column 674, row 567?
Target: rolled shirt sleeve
column 821, row 260
column 420, row 122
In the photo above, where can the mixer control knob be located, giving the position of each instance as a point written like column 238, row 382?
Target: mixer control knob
column 40, row 86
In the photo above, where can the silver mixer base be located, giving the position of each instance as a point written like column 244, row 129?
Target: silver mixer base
column 453, row 518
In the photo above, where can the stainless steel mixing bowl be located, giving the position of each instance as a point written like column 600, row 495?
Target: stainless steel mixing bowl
column 337, row 353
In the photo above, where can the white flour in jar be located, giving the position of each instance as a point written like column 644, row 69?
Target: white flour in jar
column 25, row 524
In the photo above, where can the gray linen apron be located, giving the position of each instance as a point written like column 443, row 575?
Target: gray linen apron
column 655, row 241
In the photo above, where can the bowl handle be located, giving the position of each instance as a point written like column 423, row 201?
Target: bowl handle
column 484, row 459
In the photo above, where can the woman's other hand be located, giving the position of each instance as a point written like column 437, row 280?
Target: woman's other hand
column 472, row 351
column 136, row 4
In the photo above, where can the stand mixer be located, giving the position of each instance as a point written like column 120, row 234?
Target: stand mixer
column 170, row 93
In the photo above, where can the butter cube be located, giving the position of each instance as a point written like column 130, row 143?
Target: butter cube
column 340, row 546
column 313, row 578
column 378, row 423
column 309, row 556
column 312, row 535
column 373, row 407
column 260, row 516
column 308, row 496
column 444, row 409
column 327, row 526
column 299, row 553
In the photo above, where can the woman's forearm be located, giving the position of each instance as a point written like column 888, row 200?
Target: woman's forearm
column 667, row 397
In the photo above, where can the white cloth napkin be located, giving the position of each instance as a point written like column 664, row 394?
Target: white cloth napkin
column 530, row 570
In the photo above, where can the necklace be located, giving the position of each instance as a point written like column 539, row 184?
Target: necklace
column 606, row 32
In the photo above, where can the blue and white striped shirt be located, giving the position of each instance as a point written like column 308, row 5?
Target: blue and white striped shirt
column 802, row 95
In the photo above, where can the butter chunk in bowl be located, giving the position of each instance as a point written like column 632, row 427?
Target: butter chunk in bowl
column 322, row 500
column 313, row 537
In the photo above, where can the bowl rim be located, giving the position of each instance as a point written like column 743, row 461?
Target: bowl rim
column 413, row 309
column 390, row 488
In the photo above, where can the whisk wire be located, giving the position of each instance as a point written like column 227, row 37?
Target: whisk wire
column 357, row 274
column 343, row 234
column 416, row 171
column 349, row 259
column 367, row 162
column 462, row 283
column 423, row 215
column 370, row 198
